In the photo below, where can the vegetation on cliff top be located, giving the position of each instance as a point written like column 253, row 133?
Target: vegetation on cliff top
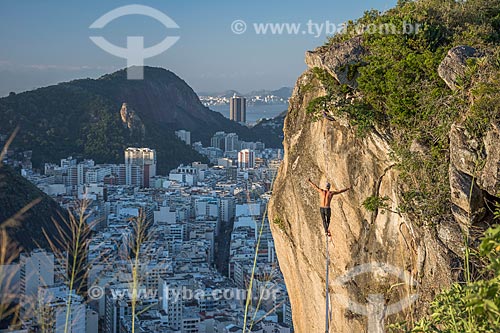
column 400, row 93
column 399, row 90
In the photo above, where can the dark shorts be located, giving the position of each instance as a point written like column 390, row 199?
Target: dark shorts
column 325, row 216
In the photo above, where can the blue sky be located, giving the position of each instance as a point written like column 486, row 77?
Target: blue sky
column 45, row 42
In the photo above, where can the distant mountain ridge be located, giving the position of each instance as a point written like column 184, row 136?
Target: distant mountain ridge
column 284, row 92
column 83, row 118
column 226, row 94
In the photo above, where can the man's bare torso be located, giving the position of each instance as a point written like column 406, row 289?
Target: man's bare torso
column 325, row 198
column 325, row 195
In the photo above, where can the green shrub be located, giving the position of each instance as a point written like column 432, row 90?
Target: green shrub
column 279, row 223
column 360, row 114
column 375, row 203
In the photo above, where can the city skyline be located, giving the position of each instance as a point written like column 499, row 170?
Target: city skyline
column 194, row 257
column 55, row 45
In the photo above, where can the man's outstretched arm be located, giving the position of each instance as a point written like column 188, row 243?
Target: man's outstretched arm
column 341, row 191
column 314, row 185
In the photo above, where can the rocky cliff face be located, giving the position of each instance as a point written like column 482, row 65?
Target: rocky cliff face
column 132, row 121
column 406, row 262
column 164, row 98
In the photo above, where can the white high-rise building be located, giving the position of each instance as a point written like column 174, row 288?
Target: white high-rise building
column 67, row 162
column 37, row 270
column 190, row 320
column 134, row 175
column 218, row 140
column 224, row 162
column 171, row 303
column 165, row 216
column 185, row 174
column 231, row 142
column 253, row 209
column 96, row 174
column 246, row 159
column 145, row 159
column 52, row 310
column 184, row 135
column 238, row 109
column 206, row 207
column 227, row 209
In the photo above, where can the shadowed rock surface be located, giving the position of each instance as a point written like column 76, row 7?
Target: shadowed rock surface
column 454, row 66
column 338, row 60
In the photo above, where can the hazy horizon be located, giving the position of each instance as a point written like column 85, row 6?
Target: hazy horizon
column 200, row 93
column 209, row 55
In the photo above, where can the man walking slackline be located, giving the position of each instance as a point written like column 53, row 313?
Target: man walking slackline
column 325, row 197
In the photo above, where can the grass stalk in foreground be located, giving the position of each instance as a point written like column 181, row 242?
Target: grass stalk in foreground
column 70, row 247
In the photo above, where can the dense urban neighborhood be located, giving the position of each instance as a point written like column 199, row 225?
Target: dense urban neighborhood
column 166, row 253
